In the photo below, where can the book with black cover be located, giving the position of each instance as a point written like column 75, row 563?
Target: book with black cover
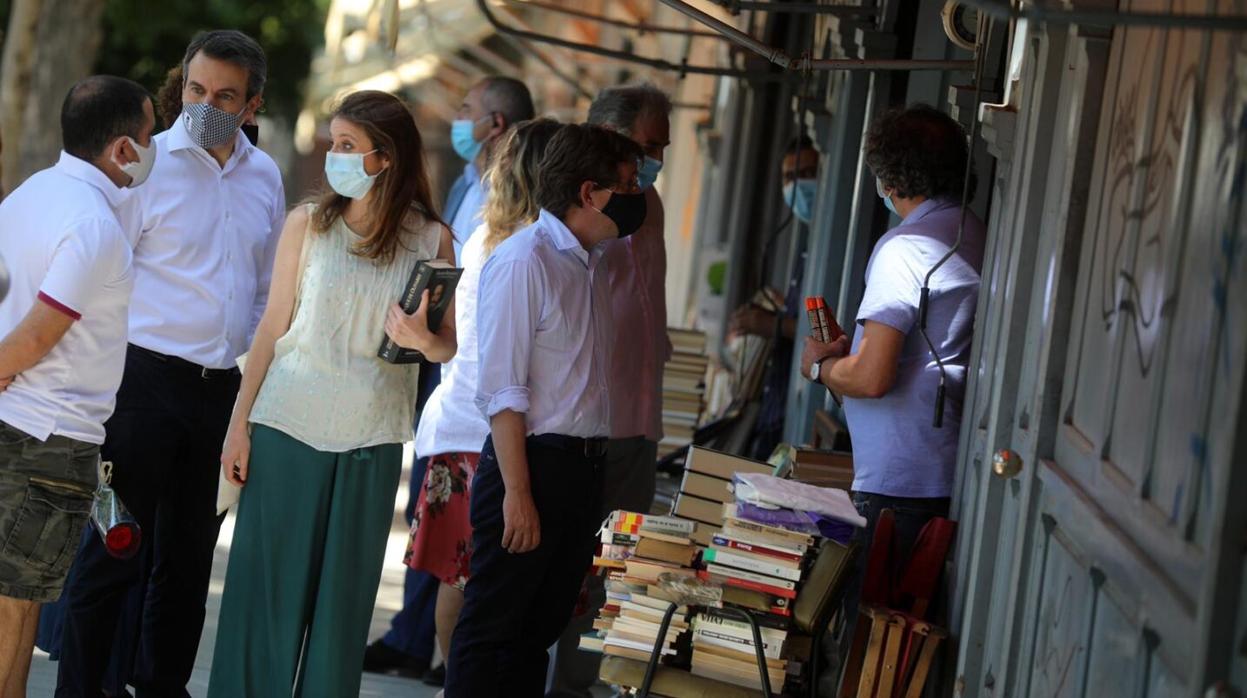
column 440, row 278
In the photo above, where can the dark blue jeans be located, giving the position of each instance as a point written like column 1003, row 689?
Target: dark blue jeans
column 413, row 629
column 516, row 605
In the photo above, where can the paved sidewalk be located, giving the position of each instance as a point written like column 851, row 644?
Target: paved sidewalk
column 389, row 600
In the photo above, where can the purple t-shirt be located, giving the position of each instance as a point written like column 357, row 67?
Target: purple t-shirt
column 896, row 450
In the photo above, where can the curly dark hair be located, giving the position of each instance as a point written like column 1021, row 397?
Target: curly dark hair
column 169, row 98
column 580, row 153
column 918, row 151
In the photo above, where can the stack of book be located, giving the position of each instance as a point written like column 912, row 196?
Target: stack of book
column 760, row 568
column 683, row 388
column 636, row 549
column 812, row 466
column 707, row 486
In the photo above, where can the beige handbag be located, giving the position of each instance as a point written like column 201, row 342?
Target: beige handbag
column 227, row 493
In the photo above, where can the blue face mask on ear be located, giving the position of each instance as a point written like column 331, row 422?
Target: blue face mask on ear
column 461, row 138
column 887, row 200
column 647, row 173
column 799, row 196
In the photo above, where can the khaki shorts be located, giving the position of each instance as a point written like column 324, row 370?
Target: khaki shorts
column 46, row 490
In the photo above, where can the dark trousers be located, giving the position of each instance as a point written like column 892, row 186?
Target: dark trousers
column 413, row 628
column 125, row 643
column 515, row 606
column 164, row 441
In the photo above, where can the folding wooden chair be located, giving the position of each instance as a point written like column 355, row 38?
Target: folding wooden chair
column 892, row 649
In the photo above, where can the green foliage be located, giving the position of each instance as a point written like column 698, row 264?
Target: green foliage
column 144, row 39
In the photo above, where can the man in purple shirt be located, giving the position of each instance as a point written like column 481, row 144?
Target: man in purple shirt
column 888, row 376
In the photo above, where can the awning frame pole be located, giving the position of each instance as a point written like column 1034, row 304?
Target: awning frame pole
column 640, row 27
column 1037, row 12
column 783, row 60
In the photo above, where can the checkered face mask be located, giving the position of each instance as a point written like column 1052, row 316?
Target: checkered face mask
column 209, row 126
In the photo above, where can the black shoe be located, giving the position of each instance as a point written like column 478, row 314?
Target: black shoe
column 435, row 676
column 380, row 658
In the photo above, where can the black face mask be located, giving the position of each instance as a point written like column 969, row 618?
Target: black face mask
column 626, row 210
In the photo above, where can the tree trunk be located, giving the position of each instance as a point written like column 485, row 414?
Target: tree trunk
column 70, row 34
column 15, row 76
column 49, row 57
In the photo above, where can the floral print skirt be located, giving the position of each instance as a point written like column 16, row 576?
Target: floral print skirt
column 441, row 532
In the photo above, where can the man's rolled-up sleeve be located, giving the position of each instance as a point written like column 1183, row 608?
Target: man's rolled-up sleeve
column 508, row 312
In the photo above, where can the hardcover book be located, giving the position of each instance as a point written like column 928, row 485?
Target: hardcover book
column 439, row 277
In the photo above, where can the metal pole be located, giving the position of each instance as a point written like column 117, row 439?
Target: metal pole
column 901, row 64
column 801, row 8
column 1041, row 13
column 783, row 60
column 737, row 36
column 640, row 26
column 658, row 63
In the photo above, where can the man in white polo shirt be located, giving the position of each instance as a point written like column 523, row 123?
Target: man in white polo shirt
column 206, row 234
column 63, row 348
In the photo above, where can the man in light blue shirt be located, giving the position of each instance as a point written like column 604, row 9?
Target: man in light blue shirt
column 545, row 335
column 488, row 111
column 888, row 376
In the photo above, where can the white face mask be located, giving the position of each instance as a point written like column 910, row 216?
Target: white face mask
column 346, row 174
column 139, row 171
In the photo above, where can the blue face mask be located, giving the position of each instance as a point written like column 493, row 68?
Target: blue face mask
column 346, row 174
column 799, row 196
column 464, row 142
column 648, row 172
column 887, row 200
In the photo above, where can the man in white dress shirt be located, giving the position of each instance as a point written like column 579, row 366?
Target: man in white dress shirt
column 202, row 261
column 62, row 346
column 489, row 110
column 637, row 269
column 545, row 335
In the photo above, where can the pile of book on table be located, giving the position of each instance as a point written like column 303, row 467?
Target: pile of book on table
column 707, row 486
column 635, row 550
column 760, row 552
column 683, row 388
column 760, row 568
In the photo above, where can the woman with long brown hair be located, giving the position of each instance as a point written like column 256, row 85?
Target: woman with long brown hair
column 315, row 439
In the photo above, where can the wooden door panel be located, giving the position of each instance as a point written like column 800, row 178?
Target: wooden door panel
column 1209, row 331
column 1113, row 661
column 1058, row 661
column 1148, row 282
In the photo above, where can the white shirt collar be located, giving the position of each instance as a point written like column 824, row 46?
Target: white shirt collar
column 560, row 234
column 81, row 169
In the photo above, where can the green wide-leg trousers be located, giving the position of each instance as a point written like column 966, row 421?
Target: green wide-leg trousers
column 304, row 565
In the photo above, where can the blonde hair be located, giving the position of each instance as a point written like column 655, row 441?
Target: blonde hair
column 512, row 178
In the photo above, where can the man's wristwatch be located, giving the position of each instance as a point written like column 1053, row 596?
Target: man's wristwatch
column 814, row 370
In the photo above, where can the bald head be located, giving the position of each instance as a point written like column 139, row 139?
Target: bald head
column 508, row 97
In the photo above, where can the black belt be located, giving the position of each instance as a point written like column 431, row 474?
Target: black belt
column 594, row 447
column 181, row 364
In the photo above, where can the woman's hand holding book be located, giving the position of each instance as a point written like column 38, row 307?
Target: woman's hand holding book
column 411, row 331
